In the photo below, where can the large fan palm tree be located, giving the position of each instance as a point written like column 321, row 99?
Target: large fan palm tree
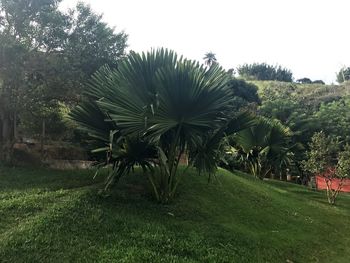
column 166, row 100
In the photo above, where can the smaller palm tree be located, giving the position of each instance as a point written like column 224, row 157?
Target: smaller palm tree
column 209, row 59
column 210, row 151
column 265, row 147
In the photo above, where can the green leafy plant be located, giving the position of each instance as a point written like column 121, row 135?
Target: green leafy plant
column 326, row 159
column 210, row 152
column 341, row 172
column 322, row 154
column 264, row 147
column 170, row 102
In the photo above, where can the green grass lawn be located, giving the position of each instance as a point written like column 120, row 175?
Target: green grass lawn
column 56, row 216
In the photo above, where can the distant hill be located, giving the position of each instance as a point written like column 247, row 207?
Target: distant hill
column 311, row 94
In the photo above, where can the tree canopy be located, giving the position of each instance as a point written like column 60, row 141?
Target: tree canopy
column 263, row 71
column 47, row 56
column 209, row 58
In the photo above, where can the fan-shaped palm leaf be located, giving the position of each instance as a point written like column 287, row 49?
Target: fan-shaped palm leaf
column 163, row 98
column 266, row 145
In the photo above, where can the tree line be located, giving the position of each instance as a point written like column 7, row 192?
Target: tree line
column 46, row 58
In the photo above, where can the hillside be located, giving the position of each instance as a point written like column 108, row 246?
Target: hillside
column 311, row 94
column 55, row 216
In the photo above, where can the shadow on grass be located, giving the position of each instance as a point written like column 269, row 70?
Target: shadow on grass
column 12, row 179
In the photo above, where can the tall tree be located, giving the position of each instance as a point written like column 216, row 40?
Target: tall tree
column 210, row 59
column 25, row 27
column 47, row 56
column 92, row 43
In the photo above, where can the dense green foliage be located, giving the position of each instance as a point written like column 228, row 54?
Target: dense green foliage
column 263, row 71
column 174, row 103
column 322, row 154
column 343, row 165
column 264, row 148
column 304, row 109
column 58, row 216
column 327, row 158
column 307, row 109
column 46, row 58
column 245, row 95
column 334, row 118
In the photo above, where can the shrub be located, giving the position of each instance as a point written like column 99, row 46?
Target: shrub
column 327, row 160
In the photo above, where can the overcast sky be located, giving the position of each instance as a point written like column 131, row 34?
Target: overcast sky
column 310, row 37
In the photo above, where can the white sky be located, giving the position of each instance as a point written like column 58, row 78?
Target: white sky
column 310, row 37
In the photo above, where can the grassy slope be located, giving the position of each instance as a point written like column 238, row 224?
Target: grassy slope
column 51, row 216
